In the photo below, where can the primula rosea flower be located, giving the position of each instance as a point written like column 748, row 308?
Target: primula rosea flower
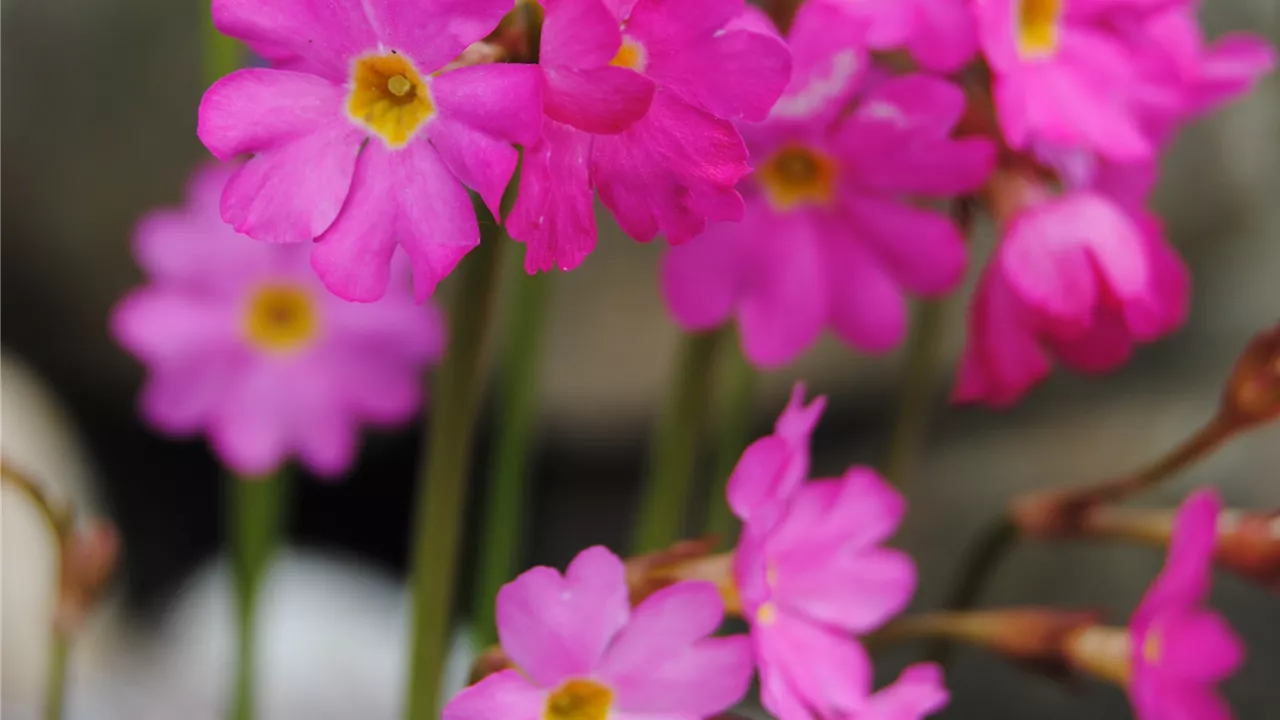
column 360, row 139
column 639, row 94
column 831, row 236
column 940, row 34
column 243, row 343
column 585, row 654
column 810, row 569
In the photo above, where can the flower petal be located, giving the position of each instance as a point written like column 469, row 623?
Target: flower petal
column 434, row 32
column 918, row 692
column 603, row 100
column 160, row 324
column 578, row 34
column 702, row 280
column 868, row 309
column 327, row 34
column 506, row 695
column 554, row 213
column 1199, row 646
column 826, row 67
column 923, row 250
column 735, row 74
column 250, row 431
column 856, row 591
column 1184, row 581
column 480, row 162
column 181, row 398
column 503, row 100
column 828, row 671
column 1002, row 358
column 784, row 309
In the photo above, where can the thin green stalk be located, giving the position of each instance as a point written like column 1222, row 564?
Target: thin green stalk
column 255, row 527
column 915, row 398
column 735, row 399
column 222, row 54
column 443, row 470
column 56, row 677
column 518, row 369
column 980, row 564
column 665, row 497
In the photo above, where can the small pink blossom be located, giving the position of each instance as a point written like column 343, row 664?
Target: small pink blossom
column 1180, row 648
column 811, row 570
column 832, row 236
column 359, row 139
column 940, row 34
column 244, row 344
column 639, row 95
column 583, row 652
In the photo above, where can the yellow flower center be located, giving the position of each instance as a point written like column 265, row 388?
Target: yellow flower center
column 631, row 55
column 389, row 98
column 767, row 614
column 579, row 700
column 1037, row 26
column 796, row 176
column 281, row 318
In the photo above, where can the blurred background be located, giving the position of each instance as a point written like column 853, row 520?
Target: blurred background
column 99, row 106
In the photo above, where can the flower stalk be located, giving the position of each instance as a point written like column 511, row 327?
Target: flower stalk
column 735, row 398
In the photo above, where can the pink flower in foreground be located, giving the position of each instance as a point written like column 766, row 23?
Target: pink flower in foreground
column 811, row 570
column 361, row 139
column 1180, row 648
column 244, row 344
column 832, row 235
column 639, row 94
column 584, row 654
column 940, row 34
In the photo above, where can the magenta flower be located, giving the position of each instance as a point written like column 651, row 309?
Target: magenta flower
column 584, row 654
column 639, row 94
column 1180, row 648
column 940, row 34
column 361, row 139
column 810, row 570
column 831, row 235
column 244, row 344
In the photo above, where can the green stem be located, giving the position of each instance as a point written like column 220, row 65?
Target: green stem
column 222, row 54
column 255, row 527
column 984, row 558
column 56, row 678
column 735, row 400
column 665, row 496
column 507, row 492
column 442, row 477
column 911, row 418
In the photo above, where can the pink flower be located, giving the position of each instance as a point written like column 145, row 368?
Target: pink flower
column 810, row 570
column 360, row 139
column 831, row 236
column 584, row 654
column 940, row 34
column 243, row 343
column 1180, row 648
column 639, row 94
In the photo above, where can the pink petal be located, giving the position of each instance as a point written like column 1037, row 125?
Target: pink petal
column 160, row 325
column 1199, row 646
column 327, row 34
column 923, row 250
column 1100, row 348
column 502, row 100
column 1230, row 67
column 663, row 661
column 554, row 627
column 620, row 9
column 868, row 309
column 703, row 279
column 304, row 151
column 785, row 307
column 797, row 421
column 597, row 100
column 671, row 171
column 678, row 24
column 918, row 692
column 578, row 34
column 858, row 591
column 769, row 470
column 181, row 398
column 829, row 672
column 327, row 434
column 434, row 32
column 480, row 162
column 777, row 693
column 736, row 74
column 1171, row 297
column 406, row 195
column 554, row 213
column 1183, row 701
column 826, row 67
column 1184, row 581
column 859, row 510
column 1002, row 357
column 250, row 432
column 943, row 35
column 505, row 695
column 395, row 330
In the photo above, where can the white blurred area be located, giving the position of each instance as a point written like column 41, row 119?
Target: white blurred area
column 332, row 642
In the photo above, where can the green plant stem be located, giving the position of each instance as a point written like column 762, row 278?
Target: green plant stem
column 519, row 363
column 915, row 397
column 983, row 559
column 222, row 54
column 443, row 470
column 672, row 462
column 735, row 399
column 255, row 526
column 56, row 676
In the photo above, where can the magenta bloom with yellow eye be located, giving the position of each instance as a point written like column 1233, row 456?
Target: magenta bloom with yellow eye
column 584, row 653
column 832, row 236
column 244, row 344
column 1181, row 649
column 362, row 138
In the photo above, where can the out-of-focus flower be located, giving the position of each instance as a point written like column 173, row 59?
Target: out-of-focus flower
column 359, row 140
column 831, row 235
column 941, row 35
column 810, row 569
column 1176, row 650
column 244, row 344
column 639, row 95
column 585, row 654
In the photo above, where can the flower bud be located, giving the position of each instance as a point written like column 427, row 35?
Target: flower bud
column 1249, row 544
column 1252, row 395
column 89, row 557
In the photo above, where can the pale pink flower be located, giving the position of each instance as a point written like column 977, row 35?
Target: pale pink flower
column 584, row 654
column 832, row 236
column 245, row 345
column 813, row 574
column 940, row 34
column 639, row 96
column 1182, row 649
column 360, row 140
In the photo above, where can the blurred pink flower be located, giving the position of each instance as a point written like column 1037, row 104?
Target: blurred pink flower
column 244, row 344
column 832, row 235
column 358, row 138
column 585, row 654
column 940, row 34
column 1180, row 648
column 811, row 569
column 639, row 94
